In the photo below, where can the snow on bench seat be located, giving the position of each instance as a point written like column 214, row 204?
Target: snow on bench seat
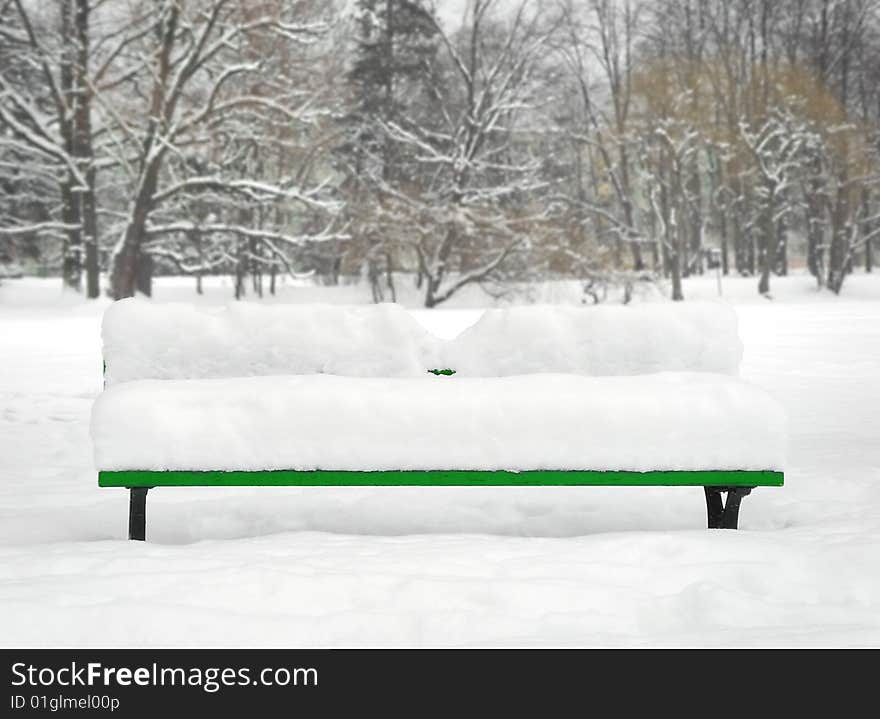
column 666, row 421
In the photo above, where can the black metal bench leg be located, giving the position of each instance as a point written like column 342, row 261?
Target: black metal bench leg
column 714, row 506
column 731, row 507
column 724, row 515
column 137, row 513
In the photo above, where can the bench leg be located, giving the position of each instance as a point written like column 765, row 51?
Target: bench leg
column 137, row 513
column 724, row 515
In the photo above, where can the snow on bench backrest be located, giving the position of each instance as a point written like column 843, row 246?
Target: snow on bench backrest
column 603, row 340
column 146, row 340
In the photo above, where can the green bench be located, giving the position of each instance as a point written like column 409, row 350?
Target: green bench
column 170, row 366
column 721, row 514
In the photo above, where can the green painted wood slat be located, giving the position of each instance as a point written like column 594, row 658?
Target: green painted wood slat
column 439, row 478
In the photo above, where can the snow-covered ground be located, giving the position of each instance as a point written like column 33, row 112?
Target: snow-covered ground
column 446, row 566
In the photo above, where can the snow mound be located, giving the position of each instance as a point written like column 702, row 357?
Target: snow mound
column 667, row 421
column 145, row 340
column 605, row 340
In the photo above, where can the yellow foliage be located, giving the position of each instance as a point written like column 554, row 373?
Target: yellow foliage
column 716, row 94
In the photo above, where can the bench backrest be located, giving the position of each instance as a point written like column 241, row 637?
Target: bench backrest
column 145, row 340
column 603, row 340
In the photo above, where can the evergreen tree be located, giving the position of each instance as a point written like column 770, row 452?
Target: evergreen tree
column 395, row 46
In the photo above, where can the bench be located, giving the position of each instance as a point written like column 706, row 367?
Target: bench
column 317, row 395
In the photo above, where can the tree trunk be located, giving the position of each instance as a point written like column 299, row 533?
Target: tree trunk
column 195, row 239
column 628, row 215
column 655, row 246
column 71, row 264
column 256, row 270
column 240, row 269
column 389, row 276
column 739, row 249
column 82, row 120
column 695, row 217
column 433, row 281
column 767, row 248
column 766, row 263
column 839, row 256
column 736, row 227
column 782, row 249
column 839, row 252
column 144, row 274
column 837, row 261
column 675, row 241
column 722, row 230
column 867, row 229
column 71, row 267
column 90, row 227
column 124, row 267
column 124, row 280
column 751, row 256
column 815, row 259
column 675, row 267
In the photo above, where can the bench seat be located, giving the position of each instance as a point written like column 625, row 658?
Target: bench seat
column 670, row 421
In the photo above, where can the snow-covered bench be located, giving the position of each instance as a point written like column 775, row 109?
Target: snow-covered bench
column 323, row 395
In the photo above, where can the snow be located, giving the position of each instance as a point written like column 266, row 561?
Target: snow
column 666, row 421
column 174, row 340
column 599, row 340
column 144, row 340
column 369, row 418
column 449, row 566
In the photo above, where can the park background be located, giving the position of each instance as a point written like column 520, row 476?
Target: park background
column 449, row 156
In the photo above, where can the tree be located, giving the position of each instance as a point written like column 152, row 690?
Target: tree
column 777, row 147
column 666, row 161
column 198, row 90
column 474, row 209
column 46, row 106
column 395, row 48
column 602, row 34
column 779, row 76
